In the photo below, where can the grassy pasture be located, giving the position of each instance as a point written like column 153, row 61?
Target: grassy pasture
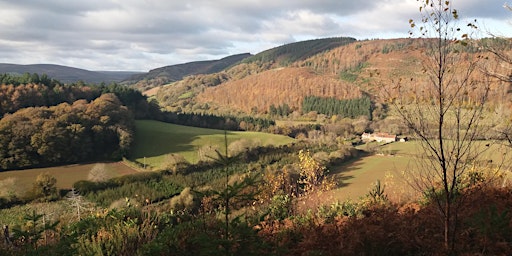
column 293, row 123
column 66, row 175
column 156, row 139
column 356, row 177
column 153, row 141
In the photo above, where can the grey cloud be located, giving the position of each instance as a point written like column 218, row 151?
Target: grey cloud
column 483, row 9
column 143, row 34
column 60, row 6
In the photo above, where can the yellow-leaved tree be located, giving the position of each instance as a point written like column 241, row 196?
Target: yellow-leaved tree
column 313, row 174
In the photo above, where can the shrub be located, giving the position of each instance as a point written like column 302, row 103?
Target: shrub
column 175, row 163
column 281, row 207
column 86, row 186
column 184, row 201
column 44, row 188
column 120, row 238
column 242, row 145
column 140, row 192
column 329, row 212
column 9, row 188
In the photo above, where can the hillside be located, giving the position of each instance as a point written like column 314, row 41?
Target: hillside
column 183, row 93
column 197, row 191
column 279, row 86
column 67, row 74
column 154, row 140
column 301, row 50
column 373, row 68
column 167, row 74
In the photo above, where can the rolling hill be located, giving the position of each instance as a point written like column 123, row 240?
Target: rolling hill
column 154, row 140
column 67, row 74
column 167, row 74
column 384, row 70
column 301, row 50
column 254, row 69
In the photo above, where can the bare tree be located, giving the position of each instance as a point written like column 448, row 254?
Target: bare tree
column 78, row 202
column 446, row 117
column 501, row 71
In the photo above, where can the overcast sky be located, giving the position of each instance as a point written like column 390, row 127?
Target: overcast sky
column 140, row 35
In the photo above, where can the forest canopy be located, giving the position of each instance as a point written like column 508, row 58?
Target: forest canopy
column 31, row 90
column 66, row 133
column 330, row 106
column 44, row 122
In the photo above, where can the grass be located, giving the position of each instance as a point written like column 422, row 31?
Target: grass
column 66, row 175
column 153, row 141
column 186, row 95
column 357, row 177
column 156, row 139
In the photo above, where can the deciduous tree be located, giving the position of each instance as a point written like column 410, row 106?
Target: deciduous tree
column 45, row 186
column 446, row 127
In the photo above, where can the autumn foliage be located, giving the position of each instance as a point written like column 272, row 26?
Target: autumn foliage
column 44, row 136
column 283, row 86
column 385, row 70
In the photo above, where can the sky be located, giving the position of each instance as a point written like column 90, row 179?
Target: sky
column 139, row 35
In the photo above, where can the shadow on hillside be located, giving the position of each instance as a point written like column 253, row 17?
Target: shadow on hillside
column 343, row 172
column 158, row 143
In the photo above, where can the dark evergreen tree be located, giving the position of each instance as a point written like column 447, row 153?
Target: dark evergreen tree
column 351, row 108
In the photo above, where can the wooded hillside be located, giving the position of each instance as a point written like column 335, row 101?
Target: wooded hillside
column 278, row 86
column 386, row 70
column 66, row 133
column 172, row 73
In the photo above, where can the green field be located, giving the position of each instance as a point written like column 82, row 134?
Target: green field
column 156, row 139
column 356, row 177
column 153, row 141
column 399, row 160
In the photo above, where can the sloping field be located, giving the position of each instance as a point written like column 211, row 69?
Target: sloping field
column 396, row 166
column 357, row 177
column 156, row 139
column 66, row 175
column 153, row 141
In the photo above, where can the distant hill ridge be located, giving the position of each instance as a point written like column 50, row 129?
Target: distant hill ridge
column 301, row 50
column 372, row 68
column 177, row 72
column 67, row 74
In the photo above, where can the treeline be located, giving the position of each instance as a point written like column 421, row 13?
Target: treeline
column 133, row 99
column 16, row 97
column 66, row 133
column 330, row 106
column 232, row 123
column 31, row 90
column 27, row 78
column 281, row 110
column 300, row 50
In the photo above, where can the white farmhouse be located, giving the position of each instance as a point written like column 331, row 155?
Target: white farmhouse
column 379, row 137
